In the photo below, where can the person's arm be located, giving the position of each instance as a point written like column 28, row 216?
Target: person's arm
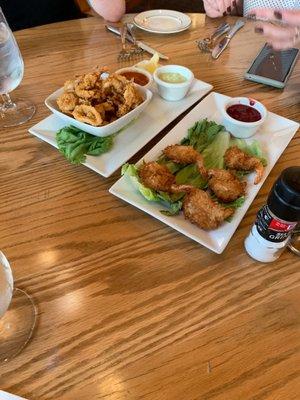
column 279, row 37
column 219, row 8
column 111, row 10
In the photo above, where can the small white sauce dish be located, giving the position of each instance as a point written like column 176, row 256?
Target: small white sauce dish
column 137, row 70
column 240, row 129
column 173, row 91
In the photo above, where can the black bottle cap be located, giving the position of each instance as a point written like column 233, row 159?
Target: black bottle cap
column 284, row 198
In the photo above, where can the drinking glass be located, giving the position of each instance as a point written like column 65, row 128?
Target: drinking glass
column 18, row 314
column 16, row 112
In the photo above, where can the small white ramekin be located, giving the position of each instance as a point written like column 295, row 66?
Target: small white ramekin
column 140, row 71
column 241, row 129
column 173, row 91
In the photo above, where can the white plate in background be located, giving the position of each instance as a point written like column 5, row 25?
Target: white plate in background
column 162, row 21
column 274, row 136
column 137, row 134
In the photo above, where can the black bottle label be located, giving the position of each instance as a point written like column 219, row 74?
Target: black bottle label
column 273, row 229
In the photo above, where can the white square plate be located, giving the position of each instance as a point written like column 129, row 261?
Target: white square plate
column 274, row 137
column 154, row 118
column 8, row 396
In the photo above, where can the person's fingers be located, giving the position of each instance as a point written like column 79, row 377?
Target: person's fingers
column 282, row 45
column 290, row 17
column 266, row 13
column 227, row 6
column 212, row 8
column 279, row 38
column 276, row 33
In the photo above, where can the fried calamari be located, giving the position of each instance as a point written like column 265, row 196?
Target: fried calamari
column 96, row 101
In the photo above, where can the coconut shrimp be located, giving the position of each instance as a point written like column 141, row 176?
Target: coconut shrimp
column 237, row 159
column 156, row 176
column 225, row 185
column 201, row 210
column 185, row 155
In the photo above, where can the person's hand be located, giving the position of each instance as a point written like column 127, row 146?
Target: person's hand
column 280, row 37
column 219, row 8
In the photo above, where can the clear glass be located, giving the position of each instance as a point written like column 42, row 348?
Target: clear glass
column 12, row 113
column 18, row 314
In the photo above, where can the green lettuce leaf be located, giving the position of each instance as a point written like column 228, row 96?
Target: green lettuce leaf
column 213, row 154
column 189, row 175
column 171, row 201
column 75, row 144
column 253, row 149
column 202, row 134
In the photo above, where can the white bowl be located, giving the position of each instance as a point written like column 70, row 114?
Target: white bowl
column 105, row 130
column 241, row 129
column 140, row 71
column 173, row 91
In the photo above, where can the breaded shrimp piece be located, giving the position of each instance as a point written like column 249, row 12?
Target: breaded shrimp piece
column 185, row 155
column 236, row 158
column 199, row 209
column 156, row 176
column 225, row 185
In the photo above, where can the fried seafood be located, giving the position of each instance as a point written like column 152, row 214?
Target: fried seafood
column 156, row 176
column 237, row 159
column 87, row 114
column 69, row 86
column 97, row 101
column 67, row 102
column 185, row 155
column 225, row 185
column 200, row 209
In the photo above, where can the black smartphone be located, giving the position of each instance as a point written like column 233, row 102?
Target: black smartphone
column 272, row 67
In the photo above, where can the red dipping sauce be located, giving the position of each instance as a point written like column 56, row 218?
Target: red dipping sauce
column 137, row 77
column 243, row 113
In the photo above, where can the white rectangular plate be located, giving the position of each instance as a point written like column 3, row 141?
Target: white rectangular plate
column 274, row 137
column 154, row 118
column 8, row 396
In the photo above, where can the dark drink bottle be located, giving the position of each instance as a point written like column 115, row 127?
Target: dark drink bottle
column 277, row 219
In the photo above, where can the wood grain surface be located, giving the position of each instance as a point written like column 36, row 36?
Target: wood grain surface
column 129, row 308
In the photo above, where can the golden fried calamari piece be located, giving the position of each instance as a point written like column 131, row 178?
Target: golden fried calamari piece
column 69, row 86
column 225, row 185
column 132, row 97
column 87, row 114
column 200, row 209
column 103, row 109
column 185, row 155
column 237, row 159
column 156, row 176
column 115, row 84
column 67, row 102
column 85, row 85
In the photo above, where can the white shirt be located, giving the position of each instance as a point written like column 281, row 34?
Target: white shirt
column 275, row 4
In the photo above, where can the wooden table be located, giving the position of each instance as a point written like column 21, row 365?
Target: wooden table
column 129, row 308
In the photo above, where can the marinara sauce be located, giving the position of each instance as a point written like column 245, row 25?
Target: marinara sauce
column 243, row 113
column 136, row 76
